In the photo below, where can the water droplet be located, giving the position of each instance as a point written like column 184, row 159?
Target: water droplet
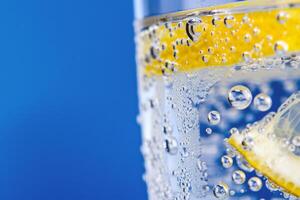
column 214, row 117
column 262, row 102
column 226, row 161
column 201, row 165
column 191, row 27
column 154, row 51
column 280, row 47
column 234, row 131
column 296, row 140
column 238, row 177
column 255, row 184
column 221, row 190
column 282, row 17
column 208, row 131
column 243, row 164
column 247, row 37
column 229, row 21
column 239, row 97
column 171, row 145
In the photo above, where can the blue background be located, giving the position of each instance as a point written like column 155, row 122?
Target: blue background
column 68, row 101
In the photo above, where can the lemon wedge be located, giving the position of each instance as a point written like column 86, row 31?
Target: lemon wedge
column 219, row 36
column 267, row 150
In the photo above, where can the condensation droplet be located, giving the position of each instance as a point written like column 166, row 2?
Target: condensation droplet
column 226, row 161
column 229, row 21
column 221, row 190
column 239, row 97
column 214, row 117
column 262, row 102
column 254, row 184
column 171, row 145
column 238, row 177
column 280, row 47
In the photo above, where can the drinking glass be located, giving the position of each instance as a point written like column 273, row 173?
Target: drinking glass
column 219, row 98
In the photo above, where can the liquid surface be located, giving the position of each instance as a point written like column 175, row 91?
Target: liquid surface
column 220, row 112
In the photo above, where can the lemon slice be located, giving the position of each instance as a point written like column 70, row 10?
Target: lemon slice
column 265, row 149
column 220, row 36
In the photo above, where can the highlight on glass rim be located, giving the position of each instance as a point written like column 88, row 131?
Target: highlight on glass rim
column 219, row 100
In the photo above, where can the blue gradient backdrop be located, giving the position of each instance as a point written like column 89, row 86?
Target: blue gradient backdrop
column 68, row 101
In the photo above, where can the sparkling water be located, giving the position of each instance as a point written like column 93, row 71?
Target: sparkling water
column 187, row 117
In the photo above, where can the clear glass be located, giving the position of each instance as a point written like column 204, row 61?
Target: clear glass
column 219, row 100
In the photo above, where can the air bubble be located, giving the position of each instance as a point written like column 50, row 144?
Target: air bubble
column 205, row 58
column 296, row 141
column 247, row 56
column 271, row 186
column 216, row 21
column 254, row 184
column 238, row 177
column 234, row 131
column 191, row 31
column 239, row 97
column 256, row 31
column 282, row 17
column 208, row 131
column 232, row 49
column 214, row 117
column 247, row 37
column 226, row 161
column 221, row 190
column 257, row 47
column 229, row 21
column 280, row 47
column 243, row 164
column 262, row 102
column 247, row 143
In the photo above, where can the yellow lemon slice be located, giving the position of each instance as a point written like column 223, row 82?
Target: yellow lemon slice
column 266, row 149
column 220, row 36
